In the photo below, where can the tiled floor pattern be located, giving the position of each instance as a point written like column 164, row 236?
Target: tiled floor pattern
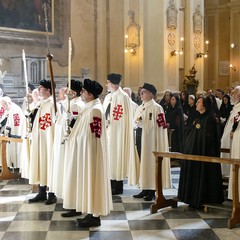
column 130, row 219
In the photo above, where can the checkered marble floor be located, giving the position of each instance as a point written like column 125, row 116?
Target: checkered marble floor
column 130, row 219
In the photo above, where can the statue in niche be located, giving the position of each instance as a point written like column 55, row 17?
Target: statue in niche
column 190, row 83
column 172, row 15
column 197, row 20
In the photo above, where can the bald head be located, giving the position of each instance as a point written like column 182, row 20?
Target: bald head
column 6, row 103
column 235, row 95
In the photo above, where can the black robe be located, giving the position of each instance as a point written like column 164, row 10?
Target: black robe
column 174, row 117
column 201, row 182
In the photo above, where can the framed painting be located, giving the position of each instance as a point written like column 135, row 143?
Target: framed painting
column 30, row 20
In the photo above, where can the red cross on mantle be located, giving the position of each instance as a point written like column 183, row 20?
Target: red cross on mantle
column 2, row 111
column 16, row 120
column 117, row 112
column 45, row 121
column 96, row 126
column 236, row 118
column 161, row 120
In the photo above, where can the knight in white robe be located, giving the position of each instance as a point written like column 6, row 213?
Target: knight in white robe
column 151, row 118
column 120, row 140
column 235, row 135
column 41, row 150
column 15, row 122
column 76, row 106
column 88, row 157
column 226, row 140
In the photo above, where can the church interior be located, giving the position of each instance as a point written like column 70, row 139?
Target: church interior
column 176, row 45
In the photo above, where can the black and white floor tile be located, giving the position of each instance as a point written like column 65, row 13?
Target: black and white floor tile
column 130, row 219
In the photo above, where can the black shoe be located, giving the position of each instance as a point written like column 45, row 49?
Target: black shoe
column 150, row 196
column 51, row 199
column 71, row 213
column 116, row 191
column 142, row 194
column 40, row 197
column 89, row 221
column 80, row 220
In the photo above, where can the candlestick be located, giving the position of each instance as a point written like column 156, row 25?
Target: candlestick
column 69, row 62
column 25, row 70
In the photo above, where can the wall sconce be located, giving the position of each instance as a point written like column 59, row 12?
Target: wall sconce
column 180, row 52
column 132, row 39
column 233, row 68
column 130, row 47
column 200, row 55
column 233, row 45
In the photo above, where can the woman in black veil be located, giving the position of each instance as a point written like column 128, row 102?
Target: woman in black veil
column 201, row 182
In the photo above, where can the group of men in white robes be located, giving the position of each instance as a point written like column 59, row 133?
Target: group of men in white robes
column 123, row 159
column 72, row 164
column 78, row 150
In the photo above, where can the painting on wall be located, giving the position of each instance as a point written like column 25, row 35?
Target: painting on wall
column 26, row 15
column 25, row 20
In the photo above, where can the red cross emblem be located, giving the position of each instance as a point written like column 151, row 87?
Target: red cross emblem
column 236, row 118
column 117, row 112
column 96, row 127
column 2, row 111
column 45, row 121
column 16, row 119
column 75, row 113
column 161, row 120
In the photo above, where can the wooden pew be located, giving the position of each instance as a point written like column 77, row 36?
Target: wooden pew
column 6, row 174
column 161, row 202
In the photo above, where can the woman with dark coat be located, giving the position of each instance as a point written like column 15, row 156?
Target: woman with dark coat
column 224, row 112
column 184, row 101
column 175, row 120
column 192, row 113
column 201, row 182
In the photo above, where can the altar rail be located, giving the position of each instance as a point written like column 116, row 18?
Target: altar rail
column 161, row 202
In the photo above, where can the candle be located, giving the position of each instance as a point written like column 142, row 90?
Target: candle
column 69, row 62
column 207, row 42
column 25, row 70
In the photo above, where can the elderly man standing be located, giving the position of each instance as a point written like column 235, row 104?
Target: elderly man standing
column 150, row 118
column 40, row 166
column 235, row 135
column 118, row 113
column 89, row 190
